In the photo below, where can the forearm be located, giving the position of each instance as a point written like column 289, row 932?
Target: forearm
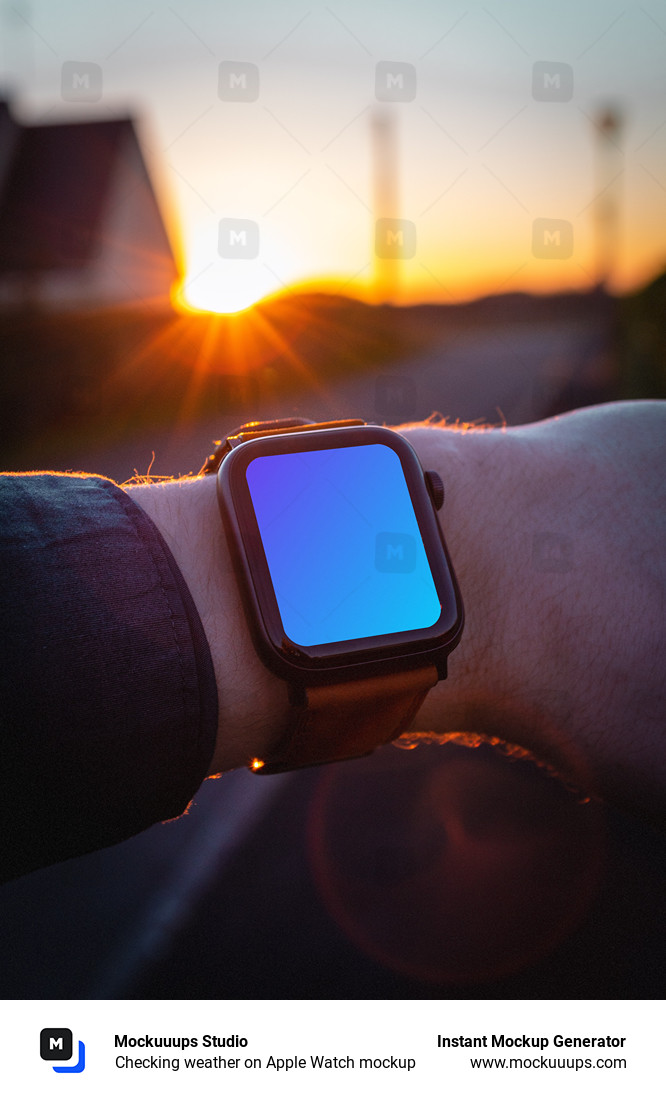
column 252, row 702
column 557, row 533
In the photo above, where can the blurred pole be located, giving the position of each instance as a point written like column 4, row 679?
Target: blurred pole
column 385, row 159
column 608, row 189
column 18, row 48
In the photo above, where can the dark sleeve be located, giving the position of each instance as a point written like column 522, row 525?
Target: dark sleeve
column 108, row 703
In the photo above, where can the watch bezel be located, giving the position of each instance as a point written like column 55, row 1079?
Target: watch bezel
column 356, row 657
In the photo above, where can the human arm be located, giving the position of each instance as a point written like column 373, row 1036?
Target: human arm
column 556, row 531
column 112, row 712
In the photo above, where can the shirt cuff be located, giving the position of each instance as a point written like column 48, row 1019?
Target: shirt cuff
column 109, row 700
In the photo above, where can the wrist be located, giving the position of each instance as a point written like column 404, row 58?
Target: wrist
column 252, row 701
column 476, row 469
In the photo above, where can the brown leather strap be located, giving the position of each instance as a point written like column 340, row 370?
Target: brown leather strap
column 259, row 428
column 339, row 721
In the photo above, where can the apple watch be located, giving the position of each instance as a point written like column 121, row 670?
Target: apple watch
column 346, row 580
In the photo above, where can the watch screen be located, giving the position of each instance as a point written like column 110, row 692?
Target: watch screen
column 342, row 543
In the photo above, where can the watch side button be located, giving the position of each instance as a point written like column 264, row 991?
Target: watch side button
column 435, row 488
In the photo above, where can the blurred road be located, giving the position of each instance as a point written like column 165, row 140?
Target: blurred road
column 509, row 373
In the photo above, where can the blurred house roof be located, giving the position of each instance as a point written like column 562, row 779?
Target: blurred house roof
column 57, row 185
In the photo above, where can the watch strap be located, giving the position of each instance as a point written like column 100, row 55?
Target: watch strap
column 256, row 428
column 338, row 721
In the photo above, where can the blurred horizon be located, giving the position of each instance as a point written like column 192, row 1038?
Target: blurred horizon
column 497, row 122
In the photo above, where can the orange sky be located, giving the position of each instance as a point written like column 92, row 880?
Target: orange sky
column 493, row 136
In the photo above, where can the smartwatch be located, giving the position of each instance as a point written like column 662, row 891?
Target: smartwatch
column 345, row 577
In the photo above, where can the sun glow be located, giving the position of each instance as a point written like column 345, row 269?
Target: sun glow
column 225, row 287
column 226, row 271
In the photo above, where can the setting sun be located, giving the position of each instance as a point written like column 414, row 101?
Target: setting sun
column 225, row 287
column 226, row 270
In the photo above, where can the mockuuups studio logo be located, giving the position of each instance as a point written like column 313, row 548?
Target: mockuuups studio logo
column 395, row 552
column 552, row 239
column 395, row 239
column 395, row 82
column 55, row 1045
column 81, row 82
column 238, row 81
column 552, row 81
column 238, row 239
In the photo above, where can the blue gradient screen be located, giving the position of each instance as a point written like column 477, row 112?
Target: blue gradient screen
column 342, row 543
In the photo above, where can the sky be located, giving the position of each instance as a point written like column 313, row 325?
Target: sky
column 500, row 176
